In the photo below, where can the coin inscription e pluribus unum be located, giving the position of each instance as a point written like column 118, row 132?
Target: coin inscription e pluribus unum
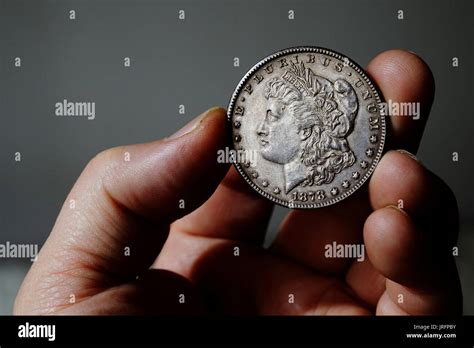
column 312, row 118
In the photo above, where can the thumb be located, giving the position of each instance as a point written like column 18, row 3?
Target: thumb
column 166, row 179
column 116, row 217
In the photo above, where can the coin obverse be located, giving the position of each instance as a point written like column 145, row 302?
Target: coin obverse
column 306, row 126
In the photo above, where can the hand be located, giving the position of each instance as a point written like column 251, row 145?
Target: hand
column 98, row 256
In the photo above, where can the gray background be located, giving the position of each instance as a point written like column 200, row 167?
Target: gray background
column 190, row 62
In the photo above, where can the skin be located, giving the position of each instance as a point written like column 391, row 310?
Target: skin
column 136, row 204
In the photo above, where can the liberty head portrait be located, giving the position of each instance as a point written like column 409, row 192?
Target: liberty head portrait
column 308, row 119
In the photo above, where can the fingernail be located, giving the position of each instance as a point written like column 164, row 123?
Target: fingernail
column 192, row 125
column 405, row 152
column 397, row 209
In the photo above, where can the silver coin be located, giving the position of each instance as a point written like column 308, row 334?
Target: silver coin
column 306, row 126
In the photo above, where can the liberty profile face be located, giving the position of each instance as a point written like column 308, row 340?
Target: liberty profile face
column 278, row 134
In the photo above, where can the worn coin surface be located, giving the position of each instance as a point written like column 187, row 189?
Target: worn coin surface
column 306, row 126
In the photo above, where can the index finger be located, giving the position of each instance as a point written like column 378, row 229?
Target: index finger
column 404, row 78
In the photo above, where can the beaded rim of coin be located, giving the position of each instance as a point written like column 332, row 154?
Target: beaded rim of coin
column 376, row 94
